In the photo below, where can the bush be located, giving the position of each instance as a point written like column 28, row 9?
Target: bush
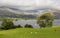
column 28, row 26
column 18, row 26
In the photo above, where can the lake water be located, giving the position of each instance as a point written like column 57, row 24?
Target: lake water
column 32, row 22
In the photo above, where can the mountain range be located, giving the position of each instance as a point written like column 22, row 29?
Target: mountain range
column 13, row 12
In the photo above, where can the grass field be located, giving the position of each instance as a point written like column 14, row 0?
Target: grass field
column 53, row 32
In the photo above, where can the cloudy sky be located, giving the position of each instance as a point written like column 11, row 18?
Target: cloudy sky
column 31, row 4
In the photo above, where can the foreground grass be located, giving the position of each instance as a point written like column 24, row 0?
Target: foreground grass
column 53, row 32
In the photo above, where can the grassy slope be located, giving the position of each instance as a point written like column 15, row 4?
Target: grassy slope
column 31, row 33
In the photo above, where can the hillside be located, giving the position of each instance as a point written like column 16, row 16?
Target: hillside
column 56, row 13
column 6, row 12
column 16, row 13
column 31, row 33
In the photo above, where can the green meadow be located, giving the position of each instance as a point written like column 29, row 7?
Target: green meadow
column 51, row 32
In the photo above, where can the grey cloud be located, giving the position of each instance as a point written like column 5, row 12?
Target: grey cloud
column 31, row 4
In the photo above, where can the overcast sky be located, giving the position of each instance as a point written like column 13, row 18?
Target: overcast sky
column 32, row 3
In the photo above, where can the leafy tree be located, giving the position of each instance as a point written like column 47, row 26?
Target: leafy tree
column 28, row 26
column 45, row 20
column 7, row 24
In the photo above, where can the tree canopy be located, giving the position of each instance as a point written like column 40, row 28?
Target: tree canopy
column 45, row 20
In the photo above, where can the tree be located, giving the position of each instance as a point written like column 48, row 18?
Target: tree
column 28, row 26
column 7, row 24
column 45, row 20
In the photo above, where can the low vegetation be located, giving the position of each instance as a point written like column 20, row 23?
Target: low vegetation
column 28, row 26
column 52, row 32
column 18, row 26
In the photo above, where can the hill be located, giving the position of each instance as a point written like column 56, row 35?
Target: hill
column 13, row 12
column 7, row 12
column 53, row 32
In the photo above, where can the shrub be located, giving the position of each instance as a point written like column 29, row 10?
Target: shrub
column 28, row 26
column 18, row 26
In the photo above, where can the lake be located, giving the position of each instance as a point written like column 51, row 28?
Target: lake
column 32, row 22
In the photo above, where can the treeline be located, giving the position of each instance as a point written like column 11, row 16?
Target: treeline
column 18, row 16
column 8, row 24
